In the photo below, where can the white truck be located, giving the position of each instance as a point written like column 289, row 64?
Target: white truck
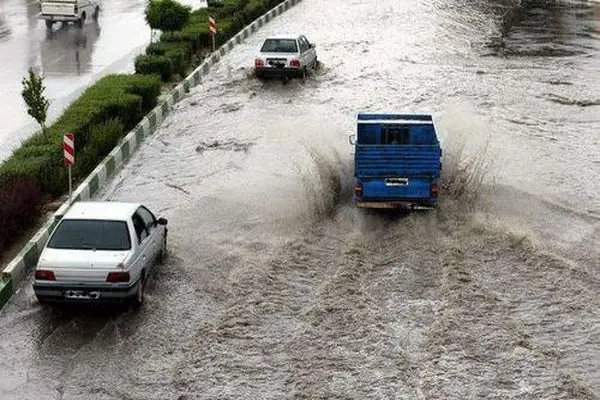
column 65, row 11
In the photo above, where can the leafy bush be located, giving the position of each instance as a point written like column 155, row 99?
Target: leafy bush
column 43, row 163
column 20, row 203
column 192, row 33
column 103, row 139
column 178, row 52
column 154, row 64
column 167, row 15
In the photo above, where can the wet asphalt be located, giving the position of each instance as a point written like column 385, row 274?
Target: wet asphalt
column 276, row 286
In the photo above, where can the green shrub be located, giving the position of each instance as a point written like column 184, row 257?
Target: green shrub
column 148, row 87
column 167, row 15
column 154, row 64
column 254, row 9
column 178, row 58
column 178, row 52
column 103, row 139
column 41, row 163
column 191, row 33
column 20, row 203
column 229, row 8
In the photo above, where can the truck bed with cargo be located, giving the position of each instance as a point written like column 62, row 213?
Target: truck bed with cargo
column 397, row 161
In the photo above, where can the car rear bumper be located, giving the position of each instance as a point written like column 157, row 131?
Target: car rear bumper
column 72, row 293
column 270, row 72
column 57, row 17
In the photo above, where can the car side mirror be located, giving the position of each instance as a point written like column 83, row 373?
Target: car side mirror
column 162, row 221
column 352, row 139
column 312, row 45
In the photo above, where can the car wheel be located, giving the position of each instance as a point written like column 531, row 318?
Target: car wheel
column 163, row 250
column 138, row 299
column 49, row 24
column 80, row 21
column 303, row 74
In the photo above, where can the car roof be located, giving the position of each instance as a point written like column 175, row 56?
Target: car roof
column 284, row 36
column 102, row 210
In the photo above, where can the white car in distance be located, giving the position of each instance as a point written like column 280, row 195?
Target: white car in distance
column 100, row 252
column 77, row 11
column 285, row 56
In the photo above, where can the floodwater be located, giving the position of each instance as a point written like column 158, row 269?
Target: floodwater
column 70, row 58
column 276, row 286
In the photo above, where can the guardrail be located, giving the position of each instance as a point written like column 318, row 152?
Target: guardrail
column 18, row 269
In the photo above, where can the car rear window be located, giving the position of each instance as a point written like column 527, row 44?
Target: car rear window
column 78, row 234
column 279, row 46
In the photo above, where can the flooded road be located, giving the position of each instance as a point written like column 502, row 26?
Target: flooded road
column 71, row 58
column 277, row 287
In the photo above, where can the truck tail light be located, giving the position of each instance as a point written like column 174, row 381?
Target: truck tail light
column 358, row 190
column 76, row 9
column 118, row 277
column 44, row 275
column 434, row 190
column 259, row 62
column 295, row 63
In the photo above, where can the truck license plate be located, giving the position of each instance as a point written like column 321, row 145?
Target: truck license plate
column 396, row 181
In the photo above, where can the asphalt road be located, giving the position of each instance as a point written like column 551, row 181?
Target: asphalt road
column 276, row 286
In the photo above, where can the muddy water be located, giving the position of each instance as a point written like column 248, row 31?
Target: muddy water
column 277, row 287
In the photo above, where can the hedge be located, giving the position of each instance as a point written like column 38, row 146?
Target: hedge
column 20, row 202
column 194, row 37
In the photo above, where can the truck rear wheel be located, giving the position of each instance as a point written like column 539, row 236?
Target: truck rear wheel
column 49, row 24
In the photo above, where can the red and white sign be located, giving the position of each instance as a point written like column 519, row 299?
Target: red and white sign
column 212, row 26
column 69, row 149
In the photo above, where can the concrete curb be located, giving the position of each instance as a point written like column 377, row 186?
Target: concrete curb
column 18, row 269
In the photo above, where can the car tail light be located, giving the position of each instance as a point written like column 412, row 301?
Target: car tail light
column 44, row 275
column 295, row 63
column 358, row 190
column 259, row 62
column 434, row 190
column 118, row 277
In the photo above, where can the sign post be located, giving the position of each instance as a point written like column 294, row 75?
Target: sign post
column 212, row 27
column 69, row 154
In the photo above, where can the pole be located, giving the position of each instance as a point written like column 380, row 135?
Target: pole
column 70, row 184
column 213, row 42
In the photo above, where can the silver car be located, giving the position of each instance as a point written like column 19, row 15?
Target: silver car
column 285, row 56
column 100, row 252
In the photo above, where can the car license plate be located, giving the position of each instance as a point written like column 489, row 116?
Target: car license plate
column 276, row 62
column 81, row 295
column 396, row 182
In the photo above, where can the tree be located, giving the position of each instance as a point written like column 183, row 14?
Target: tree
column 33, row 95
column 167, row 15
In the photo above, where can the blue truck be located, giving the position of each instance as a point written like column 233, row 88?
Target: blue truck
column 397, row 161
